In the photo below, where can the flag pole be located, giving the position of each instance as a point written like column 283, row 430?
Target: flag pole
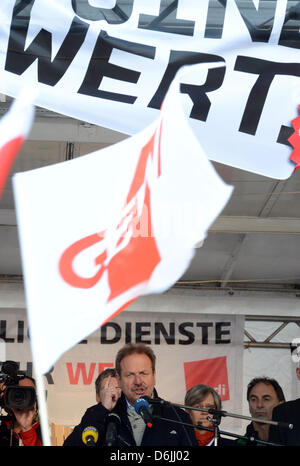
column 42, row 408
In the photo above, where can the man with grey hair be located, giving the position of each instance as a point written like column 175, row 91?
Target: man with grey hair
column 263, row 395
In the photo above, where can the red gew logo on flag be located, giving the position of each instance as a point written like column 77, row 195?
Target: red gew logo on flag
column 212, row 372
column 134, row 258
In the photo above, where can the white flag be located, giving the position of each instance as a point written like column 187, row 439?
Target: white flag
column 14, row 128
column 98, row 231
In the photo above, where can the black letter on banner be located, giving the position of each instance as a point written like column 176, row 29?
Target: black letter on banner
column 49, row 377
column 215, row 77
column 139, row 332
column 49, row 72
column 264, row 18
column 28, row 370
column 128, row 332
column 100, row 67
column 115, row 15
column 289, row 36
column 215, row 19
column 198, row 95
column 204, row 327
column 169, row 338
column 257, row 97
column 220, row 332
column 173, row 26
column 3, row 332
column 183, row 331
column 284, row 134
column 104, row 340
column 20, row 331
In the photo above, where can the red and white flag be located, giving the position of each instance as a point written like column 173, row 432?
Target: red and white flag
column 15, row 125
column 98, row 231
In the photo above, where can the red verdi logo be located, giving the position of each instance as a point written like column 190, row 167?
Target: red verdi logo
column 212, row 372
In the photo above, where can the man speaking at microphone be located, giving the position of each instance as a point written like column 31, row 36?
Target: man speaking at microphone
column 122, row 421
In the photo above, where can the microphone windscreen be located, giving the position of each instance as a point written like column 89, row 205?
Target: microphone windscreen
column 141, row 403
column 90, row 435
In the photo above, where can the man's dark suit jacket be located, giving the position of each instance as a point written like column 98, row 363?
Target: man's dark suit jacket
column 168, row 429
column 286, row 412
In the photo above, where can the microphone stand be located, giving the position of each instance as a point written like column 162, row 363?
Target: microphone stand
column 217, row 415
column 242, row 437
column 216, row 422
column 231, row 434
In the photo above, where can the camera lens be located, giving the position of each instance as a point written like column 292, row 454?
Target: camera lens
column 18, row 397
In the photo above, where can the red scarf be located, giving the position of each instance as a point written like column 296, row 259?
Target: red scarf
column 204, row 439
column 28, row 438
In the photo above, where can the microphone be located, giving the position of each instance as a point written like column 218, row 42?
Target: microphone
column 154, row 400
column 112, row 423
column 142, row 407
column 90, row 436
column 286, row 425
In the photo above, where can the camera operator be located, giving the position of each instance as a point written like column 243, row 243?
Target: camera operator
column 19, row 427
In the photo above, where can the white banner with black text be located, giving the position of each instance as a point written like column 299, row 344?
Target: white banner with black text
column 110, row 63
column 190, row 349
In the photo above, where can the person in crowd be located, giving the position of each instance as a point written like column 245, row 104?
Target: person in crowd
column 263, row 395
column 164, row 424
column 106, row 378
column 288, row 412
column 205, row 397
column 21, row 427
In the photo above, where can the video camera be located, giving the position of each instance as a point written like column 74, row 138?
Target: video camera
column 14, row 396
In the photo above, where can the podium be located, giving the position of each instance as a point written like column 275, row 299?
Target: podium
column 59, row 433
